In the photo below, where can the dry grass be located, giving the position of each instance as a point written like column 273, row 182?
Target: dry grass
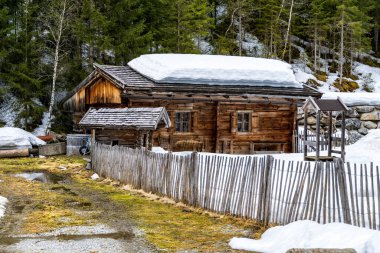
column 169, row 226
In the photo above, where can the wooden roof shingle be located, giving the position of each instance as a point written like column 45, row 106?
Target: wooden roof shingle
column 126, row 118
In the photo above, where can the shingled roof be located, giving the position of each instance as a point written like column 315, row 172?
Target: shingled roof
column 126, row 118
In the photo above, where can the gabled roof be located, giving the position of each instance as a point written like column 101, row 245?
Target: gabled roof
column 325, row 104
column 126, row 118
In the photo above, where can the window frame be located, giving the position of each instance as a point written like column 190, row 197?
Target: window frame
column 244, row 122
column 181, row 121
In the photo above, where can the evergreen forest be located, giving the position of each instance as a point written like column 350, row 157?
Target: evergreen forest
column 51, row 45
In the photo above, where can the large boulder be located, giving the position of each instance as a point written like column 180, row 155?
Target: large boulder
column 363, row 131
column 354, row 136
column 353, row 124
column 352, row 113
column 16, row 138
column 369, row 124
column 374, row 116
column 365, row 109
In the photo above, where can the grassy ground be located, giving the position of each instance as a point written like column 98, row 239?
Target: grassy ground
column 71, row 199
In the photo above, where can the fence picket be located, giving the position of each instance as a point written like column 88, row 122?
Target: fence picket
column 251, row 187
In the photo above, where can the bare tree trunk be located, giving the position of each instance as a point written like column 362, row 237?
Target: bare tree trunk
column 376, row 38
column 178, row 27
column 288, row 30
column 55, row 68
column 315, row 48
column 341, row 56
column 240, row 31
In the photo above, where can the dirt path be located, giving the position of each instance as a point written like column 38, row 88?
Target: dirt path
column 60, row 215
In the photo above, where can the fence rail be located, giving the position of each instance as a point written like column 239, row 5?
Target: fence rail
column 262, row 188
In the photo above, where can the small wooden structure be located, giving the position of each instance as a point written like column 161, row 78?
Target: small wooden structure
column 132, row 127
column 321, row 106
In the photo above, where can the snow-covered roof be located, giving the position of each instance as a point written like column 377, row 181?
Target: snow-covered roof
column 214, row 70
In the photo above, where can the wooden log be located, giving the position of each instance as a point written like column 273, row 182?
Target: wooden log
column 14, row 153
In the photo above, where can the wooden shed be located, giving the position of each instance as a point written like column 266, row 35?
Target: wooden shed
column 233, row 112
column 132, row 127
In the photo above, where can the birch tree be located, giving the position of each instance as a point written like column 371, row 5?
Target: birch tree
column 56, row 23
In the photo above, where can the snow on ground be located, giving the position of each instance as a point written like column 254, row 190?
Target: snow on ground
column 251, row 45
column 9, row 111
column 309, row 234
column 3, row 203
column 40, row 130
column 368, row 71
column 364, row 151
column 11, row 137
column 215, row 70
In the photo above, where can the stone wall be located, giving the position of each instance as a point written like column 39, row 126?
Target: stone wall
column 359, row 119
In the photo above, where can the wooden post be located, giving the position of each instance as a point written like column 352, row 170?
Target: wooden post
column 305, row 134
column 343, row 137
column 330, row 134
column 92, row 139
column 343, row 190
column 217, row 108
column 318, row 134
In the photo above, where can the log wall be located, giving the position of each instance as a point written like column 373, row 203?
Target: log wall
column 214, row 127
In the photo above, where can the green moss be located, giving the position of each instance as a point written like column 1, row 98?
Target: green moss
column 346, row 86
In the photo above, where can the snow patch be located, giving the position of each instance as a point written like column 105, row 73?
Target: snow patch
column 310, row 234
column 251, row 45
column 3, row 203
column 215, row 70
column 9, row 110
column 16, row 138
column 40, row 130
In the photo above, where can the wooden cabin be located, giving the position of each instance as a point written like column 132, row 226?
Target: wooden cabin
column 242, row 116
column 132, row 127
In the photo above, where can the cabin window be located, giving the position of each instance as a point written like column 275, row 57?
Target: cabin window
column 243, row 122
column 182, row 121
column 114, row 142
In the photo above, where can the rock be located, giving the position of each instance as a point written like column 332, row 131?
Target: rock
column 42, row 156
column 352, row 113
column 62, row 167
column 365, row 109
column 363, row 130
column 369, row 125
column 321, row 251
column 88, row 166
column 375, row 116
column 311, row 120
column 377, row 107
column 353, row 124
column 95, row 176
column 354, row 136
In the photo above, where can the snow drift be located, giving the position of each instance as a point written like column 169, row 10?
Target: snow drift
column 215, row 70
column 3, row 202
column 16, row 138
column 310, row 234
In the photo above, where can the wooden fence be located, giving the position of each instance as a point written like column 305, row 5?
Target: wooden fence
column 261, row 188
